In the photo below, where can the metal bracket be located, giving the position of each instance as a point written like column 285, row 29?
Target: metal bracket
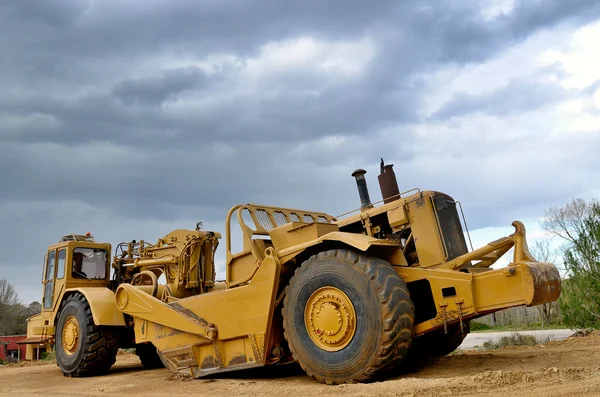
column 459, row 303
column 443, row 305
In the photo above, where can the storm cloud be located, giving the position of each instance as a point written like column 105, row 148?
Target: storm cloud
column 130, row 119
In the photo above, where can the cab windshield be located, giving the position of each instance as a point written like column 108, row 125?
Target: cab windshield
column 89, row 263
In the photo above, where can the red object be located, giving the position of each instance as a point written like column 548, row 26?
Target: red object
column 12, row 347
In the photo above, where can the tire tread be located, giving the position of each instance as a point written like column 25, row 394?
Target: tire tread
column 101, row 345
column 397, row 312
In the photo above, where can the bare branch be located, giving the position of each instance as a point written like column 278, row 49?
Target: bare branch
column 591, row 312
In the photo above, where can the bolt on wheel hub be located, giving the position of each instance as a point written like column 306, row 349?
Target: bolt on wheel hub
column 70, row 335
column 330, row 318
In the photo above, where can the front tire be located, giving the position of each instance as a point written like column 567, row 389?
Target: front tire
column 83, row 348
column 347, row 317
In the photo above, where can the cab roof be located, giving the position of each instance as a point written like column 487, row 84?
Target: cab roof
column 78, row 237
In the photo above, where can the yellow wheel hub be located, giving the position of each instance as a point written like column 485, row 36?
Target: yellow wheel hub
column 330, row 319
column 70, row 335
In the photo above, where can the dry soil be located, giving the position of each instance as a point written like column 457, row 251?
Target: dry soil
column 566, row 368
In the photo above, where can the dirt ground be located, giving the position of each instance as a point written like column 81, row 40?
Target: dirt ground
column 566, row 368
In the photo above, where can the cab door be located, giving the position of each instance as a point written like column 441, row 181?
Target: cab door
column 59, row 281
column 49, row 274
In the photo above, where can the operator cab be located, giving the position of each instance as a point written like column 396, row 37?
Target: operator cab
column 89, row 263
column 75, row 261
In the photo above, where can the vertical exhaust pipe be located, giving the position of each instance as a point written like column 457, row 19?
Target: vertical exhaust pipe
column 388, row 183
column 363, row 192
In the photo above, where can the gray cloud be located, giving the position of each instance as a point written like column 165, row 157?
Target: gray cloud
column 133, row 118
column 157, row 90
column 516, row 97
column 519, row 95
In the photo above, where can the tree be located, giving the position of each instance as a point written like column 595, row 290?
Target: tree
column 8, row 303
column 12, row 312
column 580, row 299
column 33, row 309
column 566, row 222
column 8, row 296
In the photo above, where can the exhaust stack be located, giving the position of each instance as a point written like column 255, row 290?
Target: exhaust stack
column 388, row 183
column 363, row 191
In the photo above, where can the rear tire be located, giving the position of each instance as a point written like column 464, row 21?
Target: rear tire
column 340, row 282
column 148, row 355
column 83, row 348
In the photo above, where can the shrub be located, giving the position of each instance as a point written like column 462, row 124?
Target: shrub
column 512, row 340
column 475, row 326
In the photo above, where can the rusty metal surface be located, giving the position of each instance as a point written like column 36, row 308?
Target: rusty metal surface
column 258, row 349
column 388, row 183
column 199, row 372
column 546, row 282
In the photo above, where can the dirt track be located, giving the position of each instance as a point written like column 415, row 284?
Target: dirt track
column 567, row 368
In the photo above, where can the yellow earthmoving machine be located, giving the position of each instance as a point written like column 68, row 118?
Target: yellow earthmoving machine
column 348, row 298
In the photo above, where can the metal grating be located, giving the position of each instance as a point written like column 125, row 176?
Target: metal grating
column 280, row 218
column 294, row 217
column 264, row 220
column 322, row 219
column 308, row 219
column 181, row 357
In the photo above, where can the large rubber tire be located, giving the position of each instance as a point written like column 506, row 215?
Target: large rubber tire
column 148, row 355
column 438, row 343
column 384, row 316
column 96, row 347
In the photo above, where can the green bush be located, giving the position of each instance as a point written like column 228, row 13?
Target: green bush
column 512, row 340
column 580, row 297
column 48, row 356
column 475, row 326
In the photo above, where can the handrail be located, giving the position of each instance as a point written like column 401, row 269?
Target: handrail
column 497, row 248
column 465, row 222
column 399, row 195
column 262, row 227
column 228, row 254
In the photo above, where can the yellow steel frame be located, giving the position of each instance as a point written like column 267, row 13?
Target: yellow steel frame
column 200, row 334
column 477, row 294
column 232, row 328
column 488, row 255
column 273, row 217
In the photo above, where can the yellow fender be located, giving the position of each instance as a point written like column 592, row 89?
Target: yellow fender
column 103, row 306
column 361, row 242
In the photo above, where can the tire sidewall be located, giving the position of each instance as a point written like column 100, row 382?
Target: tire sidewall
column 69, row 363
column 363, row 347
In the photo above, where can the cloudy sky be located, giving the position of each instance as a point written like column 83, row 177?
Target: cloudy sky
column 130, row 119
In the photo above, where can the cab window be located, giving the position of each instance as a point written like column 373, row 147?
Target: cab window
column 89, row 263
column 50, row 266
column 60, row 270
column 44, row 267
column 49, row 279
